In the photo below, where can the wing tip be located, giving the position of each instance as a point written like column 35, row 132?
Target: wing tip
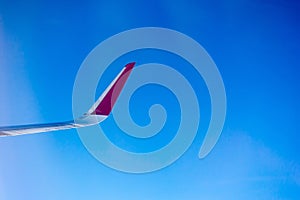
column 130, row 65
column 107, row 102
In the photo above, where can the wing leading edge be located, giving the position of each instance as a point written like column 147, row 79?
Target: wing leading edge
column 96, row 114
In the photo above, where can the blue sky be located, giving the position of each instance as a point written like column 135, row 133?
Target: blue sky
column 255, row 45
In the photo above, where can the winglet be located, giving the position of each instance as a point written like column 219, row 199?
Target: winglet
column 107, row 100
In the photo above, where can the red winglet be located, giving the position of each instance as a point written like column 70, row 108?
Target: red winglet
column 113, row 91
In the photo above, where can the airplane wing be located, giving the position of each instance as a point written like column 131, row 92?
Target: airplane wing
column 96, row 114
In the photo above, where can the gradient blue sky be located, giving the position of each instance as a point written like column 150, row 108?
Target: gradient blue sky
column 255, row 45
